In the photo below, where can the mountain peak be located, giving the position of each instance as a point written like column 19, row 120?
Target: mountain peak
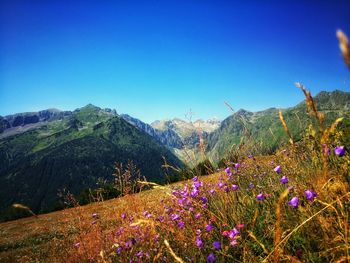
column 90, row 106
column 337, row 99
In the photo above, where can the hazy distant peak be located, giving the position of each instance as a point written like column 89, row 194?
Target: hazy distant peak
column 186, row 128
column 207, row 125
column 178, row 119
column 29, row 120
column 52, row 110
column 27, row 113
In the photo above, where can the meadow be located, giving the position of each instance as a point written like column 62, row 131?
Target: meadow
column 292, row 206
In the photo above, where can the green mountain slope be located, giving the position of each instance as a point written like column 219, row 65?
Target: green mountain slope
column 265, row 129
column 72, row 153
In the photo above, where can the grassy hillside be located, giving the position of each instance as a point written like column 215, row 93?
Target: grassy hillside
column 245, row 228
column 263, row 131
column 73, row 153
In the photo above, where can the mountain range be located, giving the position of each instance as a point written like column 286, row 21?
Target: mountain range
column 46, row 151
column 182, row 137
column 265, row 129
column 41, row 154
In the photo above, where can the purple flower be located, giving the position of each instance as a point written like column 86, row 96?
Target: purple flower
column 181, row 201
column 145, row 213
column 260, row 197
column 139, row 254
column 119, row 250
column 181, row 224
column 119, row 231
column 128, row 244
column 204, row 199
column 234, row 187
column 194, row 192
column 278, row 169
column 228, row 171
column 211, row 258
column 234, row 232
column 161, row 219
column 310, row 195
column 221, row 184
column 237, row 165
column 294, row 202
column 123, row 216
column 195, row 179
column 226, row 189
column 284, row 179
column 209, row 227
column 199, row 242
column 211, row 191
column 339, row 150
column 174, row 217
column 197, row 216
column 197, row 184
column 168, row 209
column 251, row 157
column 217, row 245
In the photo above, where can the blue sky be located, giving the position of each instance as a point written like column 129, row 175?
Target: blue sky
column 161, row 59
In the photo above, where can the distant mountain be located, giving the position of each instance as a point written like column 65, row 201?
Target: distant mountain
column 167, row 137
column 21, row 122
column 14, row 123
column 186, row 128
column 180, row 136
column 265, row 128
column 208, row 126
column 189, row 132
column 70, row 150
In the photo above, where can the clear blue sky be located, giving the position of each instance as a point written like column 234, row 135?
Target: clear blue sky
column 159, row 59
